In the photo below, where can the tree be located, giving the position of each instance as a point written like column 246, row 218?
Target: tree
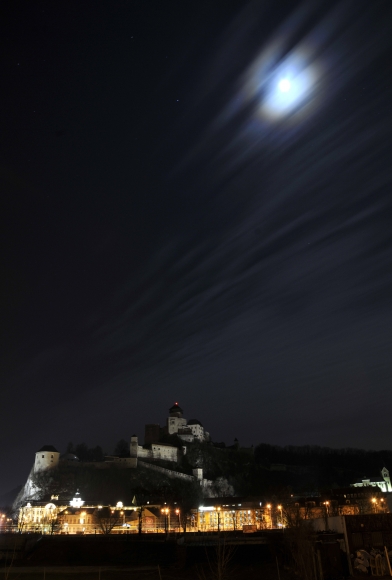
column 122, row 448
column 107, row 518
column 234, row 517
column 81, row 451
column 299, row 540
column 96, row 453
column 219, row 564
column 23, row 518
column 222, row 488
column 140, row 499
column 51, row 522
column 188, row 494
column 70, row 448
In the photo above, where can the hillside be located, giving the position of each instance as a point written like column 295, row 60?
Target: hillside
column 269, row 471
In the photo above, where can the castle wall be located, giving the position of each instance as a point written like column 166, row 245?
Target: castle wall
column 167, row 452
column 168, row 472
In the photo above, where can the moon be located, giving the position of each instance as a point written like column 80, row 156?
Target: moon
column 283, row 89
column 284, row 85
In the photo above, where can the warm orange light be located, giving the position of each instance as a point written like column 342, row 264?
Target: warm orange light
column 279, row 507
column 374, row 500
column 268, row 506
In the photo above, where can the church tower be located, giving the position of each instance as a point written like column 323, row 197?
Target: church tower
column 386, row 478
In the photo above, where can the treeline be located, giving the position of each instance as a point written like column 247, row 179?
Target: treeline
column 85, row 453
column 368, row 462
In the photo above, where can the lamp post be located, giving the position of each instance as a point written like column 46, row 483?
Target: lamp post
column 281, row 515
column 166, row 512
column 374, row 502
column 326, row 515
column 179, row 522
column 270, row 514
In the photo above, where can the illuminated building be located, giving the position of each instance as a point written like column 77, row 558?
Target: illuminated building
column 230, row 514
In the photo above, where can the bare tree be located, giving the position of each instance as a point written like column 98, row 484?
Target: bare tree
column 107, row 518
column 23, row 518
column 234, row 517
column 53, row 522
column 220, row 564
column 299, row 539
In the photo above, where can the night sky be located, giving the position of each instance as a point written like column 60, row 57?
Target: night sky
column 178, row 225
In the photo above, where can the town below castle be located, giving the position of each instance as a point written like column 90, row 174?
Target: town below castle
column 179, row 481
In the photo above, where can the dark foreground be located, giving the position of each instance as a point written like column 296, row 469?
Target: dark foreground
column 130, row 557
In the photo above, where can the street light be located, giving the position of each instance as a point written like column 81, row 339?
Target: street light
column 374, row 502
column 166, row 513
column 281, row 515
column 269, row 508
column 179, row 523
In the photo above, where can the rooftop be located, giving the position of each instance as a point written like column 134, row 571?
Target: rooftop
column 48, row 448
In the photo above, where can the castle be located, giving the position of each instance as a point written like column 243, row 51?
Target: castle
column 154, row 448
column 176, row 424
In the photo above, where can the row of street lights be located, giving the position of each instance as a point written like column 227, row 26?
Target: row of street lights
column 280, row 508
column 166, row 513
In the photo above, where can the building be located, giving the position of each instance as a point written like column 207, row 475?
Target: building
column 154, row 448
column 79, row 517
column 153, row 451
column 189, row 431
column 383, row 482
column 231, row 514
column 46, row 458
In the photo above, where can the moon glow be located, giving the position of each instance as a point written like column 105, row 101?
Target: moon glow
column 283, row 89
column 284, row 85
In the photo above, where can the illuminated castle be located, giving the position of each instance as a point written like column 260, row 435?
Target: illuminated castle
column 176, row 424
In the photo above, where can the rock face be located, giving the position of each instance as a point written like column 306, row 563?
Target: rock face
column 28, row 492
column 46, row 458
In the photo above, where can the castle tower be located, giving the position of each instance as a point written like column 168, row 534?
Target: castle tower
column 175, row 411
column 133, row 450
column 133, row 446
column 46, row 458
column 175, row 421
